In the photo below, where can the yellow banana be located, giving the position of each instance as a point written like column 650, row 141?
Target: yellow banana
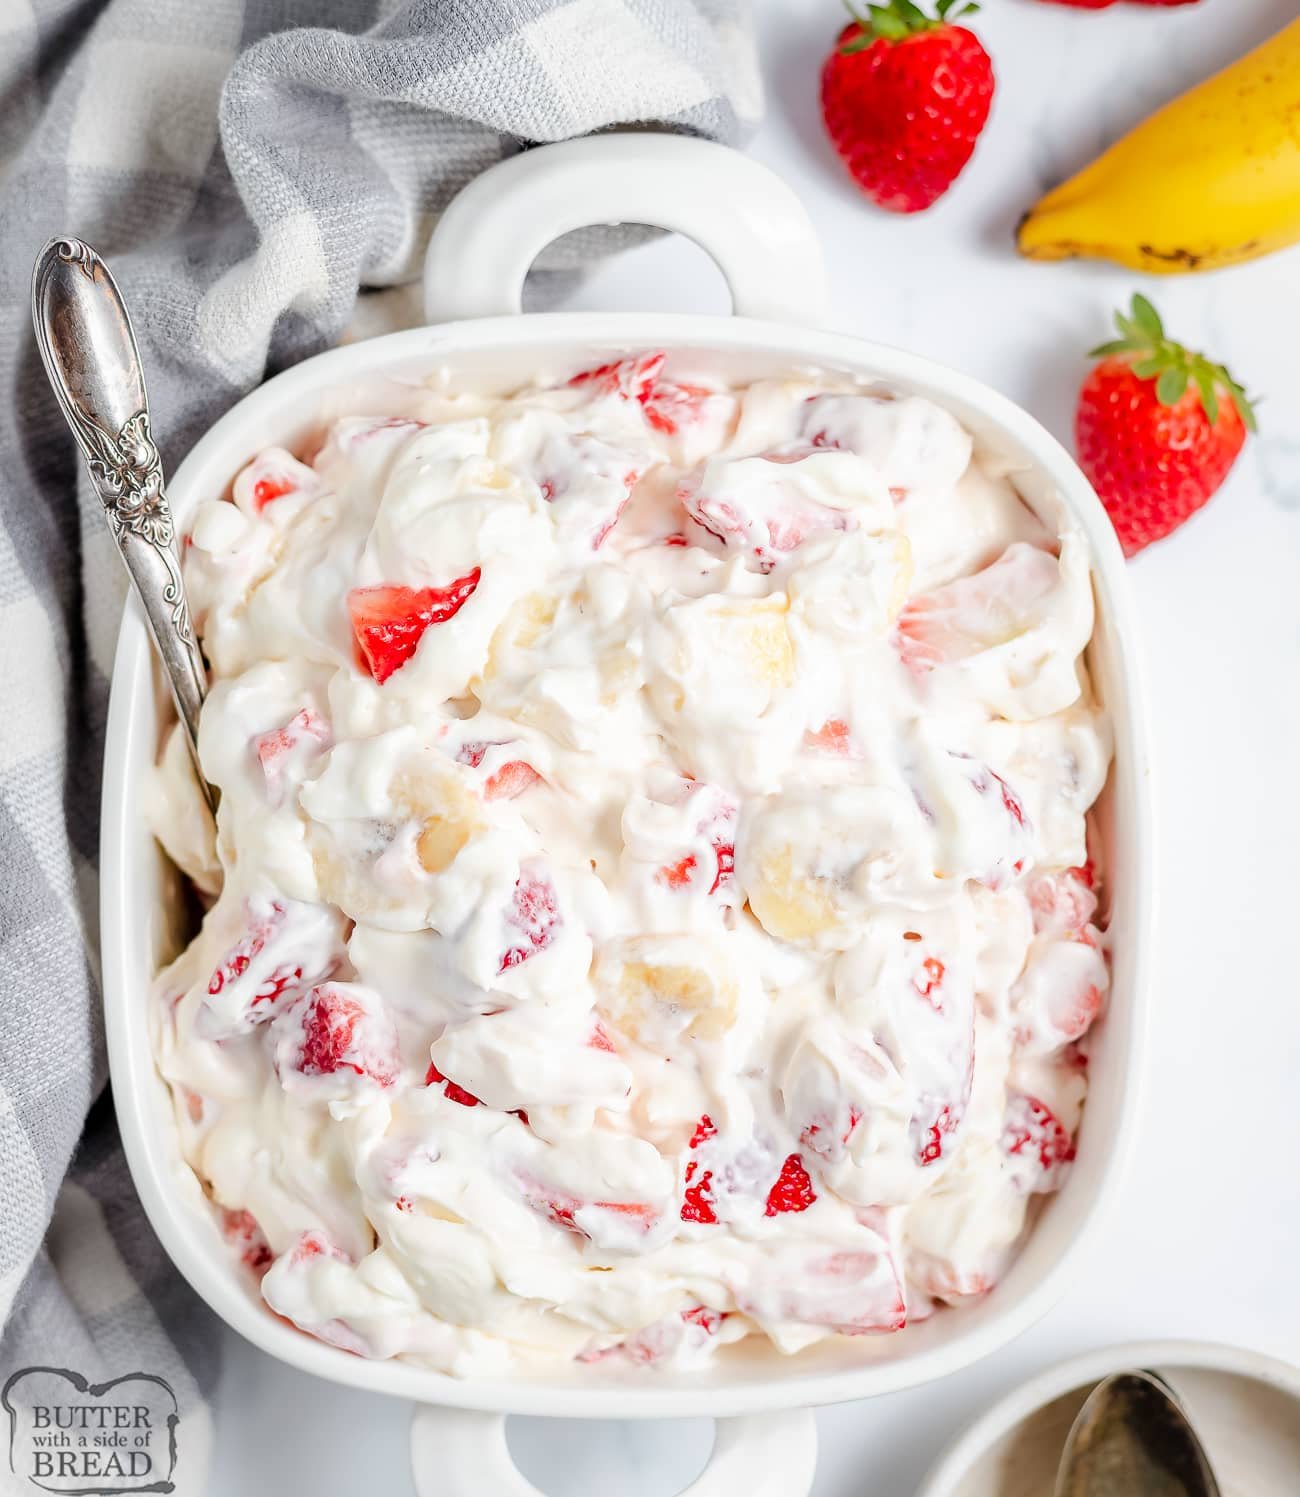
column 1210, row 180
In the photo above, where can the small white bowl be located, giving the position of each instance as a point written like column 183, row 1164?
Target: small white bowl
column 1245, row 1406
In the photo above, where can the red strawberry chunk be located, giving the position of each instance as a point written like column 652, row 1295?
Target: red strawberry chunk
column 267, row 489
column 331, row 1043
column 313, row 1245
column 726, row 865
column 814, row 1135
column 286, row 949
column 472, row 753
column 1010, row 799
column 671, row 406
column 600, row 1039
column 697, row 1203
column 833, row 737
column 534, row 913
column 1037, row 1145
column 931, row 1139
column 793, row 1190
column 562, row 1209
column 510, row 780
column 306, row 730
column 707, row 1319
column 389, row 621
column 677, row 875
column 330, row 1026
column 1062, row 902
column 629, row 379
column 242, row 1231
column 927, row 982
column 453, row 1093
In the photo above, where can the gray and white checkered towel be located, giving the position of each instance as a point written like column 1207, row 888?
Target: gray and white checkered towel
column 246, row 166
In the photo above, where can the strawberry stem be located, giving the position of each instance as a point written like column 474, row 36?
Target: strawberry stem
column 895, row 20
column 1173, row 367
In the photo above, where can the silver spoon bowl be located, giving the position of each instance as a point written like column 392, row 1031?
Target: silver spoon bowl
column 1132, row 1438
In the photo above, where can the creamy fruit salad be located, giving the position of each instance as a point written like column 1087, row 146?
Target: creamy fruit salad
column 650, row 904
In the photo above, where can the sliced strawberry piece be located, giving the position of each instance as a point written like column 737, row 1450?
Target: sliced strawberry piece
column 286, row 948
column 670, row 407
column 793, row 1190
column 472, row 753
column 534, row 913
column 306, row 732
column 1061, row 990
column 1062, row 902
column 765, row 518
column 510, row 780
column 677, row 875
column 600, row 1039
column 833, row 737
column 818, row 1138
column 709, row 1320
column 629, row 379
column 697, row 1202
column 241, row 1230
column 330, row 1024
column 267, row 489
column 931, row 1139
column 453, row 1093
column 562, row 1208
column 314, row 1245
column 339, row 1032
column 1037, row 1146
column 389, row 621
column 928, row 980
column 1010, row 800
column 726, row 855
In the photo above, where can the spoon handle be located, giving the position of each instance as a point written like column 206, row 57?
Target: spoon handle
column 91, row 359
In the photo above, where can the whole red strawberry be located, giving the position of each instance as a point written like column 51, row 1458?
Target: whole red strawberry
column 1102, row 4
column 1157, row 428
column 905, row 96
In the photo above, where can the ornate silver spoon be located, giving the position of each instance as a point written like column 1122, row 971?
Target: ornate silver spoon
column 1132, row 1438
column 90, row 356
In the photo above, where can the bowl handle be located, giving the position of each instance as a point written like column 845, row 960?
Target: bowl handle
column 733, row 207
column 463, row 1453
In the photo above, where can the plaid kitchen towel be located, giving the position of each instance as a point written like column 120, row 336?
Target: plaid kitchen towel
column 246, row 166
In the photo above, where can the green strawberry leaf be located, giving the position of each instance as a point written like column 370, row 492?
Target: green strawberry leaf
column 1174, row 368
column 1209, row 396
column 1116, row 345
column 1172, row 384
column 895, row 20
column 1146, row 318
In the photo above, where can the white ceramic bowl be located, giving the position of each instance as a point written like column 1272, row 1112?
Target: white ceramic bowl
column 1245, row 1406
column 759, row 235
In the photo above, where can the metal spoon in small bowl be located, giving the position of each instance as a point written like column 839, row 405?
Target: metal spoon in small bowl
column 1132, row 1438
column 91, row 359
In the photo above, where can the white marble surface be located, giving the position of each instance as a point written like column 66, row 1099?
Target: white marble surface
column 1205, row 1241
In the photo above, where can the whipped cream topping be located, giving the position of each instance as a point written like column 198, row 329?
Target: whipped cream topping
column 651, row 903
